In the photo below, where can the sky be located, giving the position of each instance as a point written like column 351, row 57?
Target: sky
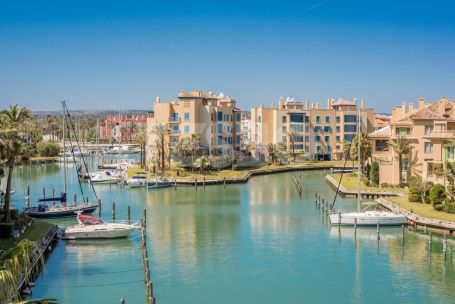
column 108, row 54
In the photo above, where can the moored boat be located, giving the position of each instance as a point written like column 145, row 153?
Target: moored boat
column 368, row 218
column 91, row 227
column 138, row 180
column 159, row 182
column 58, row 211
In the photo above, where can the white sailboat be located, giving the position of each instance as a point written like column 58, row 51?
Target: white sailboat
column 365, row 218
column 91, row 227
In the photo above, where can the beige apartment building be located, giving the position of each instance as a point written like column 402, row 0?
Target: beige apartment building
column 214, row 118
column 431, row 129
column 319, row 132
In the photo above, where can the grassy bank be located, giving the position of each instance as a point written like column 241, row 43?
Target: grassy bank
column 349, row 182
column 232, row 174
column 423, row 210
column 34, row 233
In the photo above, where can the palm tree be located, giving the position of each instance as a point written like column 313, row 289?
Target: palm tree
column 161, row 131
column 292, row 137
column 401, row 146
column 365, row 149
column 177, row 166
column 194, row 144
column 11, row 145
column 141, row 140
column 201, row 163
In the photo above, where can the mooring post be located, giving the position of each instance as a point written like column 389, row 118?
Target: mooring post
column 53, row 192
column 44, row 192
column 122, row 301
column 129, row 214
column 402, row 234
column 377, row 231
column 28, row 191
column 75, row 199
column 175, row 184
column 195, row 182
column 113, row 211
column 430, row 238
column 224, row 182
column 203, row 181
column 339, row 221
column 144, row 215
column 355, row 226
column 99, row 208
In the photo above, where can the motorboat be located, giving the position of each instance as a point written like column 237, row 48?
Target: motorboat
column 91, row 227
column 58, row 211
column 159, row 182
column 138, row 180
column 105, row 177
column 368, row 218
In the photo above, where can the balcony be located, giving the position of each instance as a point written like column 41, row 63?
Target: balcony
column 440, row 134
column 173, row 119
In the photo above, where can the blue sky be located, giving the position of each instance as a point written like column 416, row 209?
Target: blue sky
column 122, row 54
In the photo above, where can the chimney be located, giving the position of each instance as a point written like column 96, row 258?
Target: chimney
column 362, row 104
column 157, row 100
column 411, row 107
column 329, row 103
column 403, row 108
column 312, row 105
column 306, row 105
column 273, row 105
column 421, row 103
column 317, row 105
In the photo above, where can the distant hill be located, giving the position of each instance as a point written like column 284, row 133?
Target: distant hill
column 94, row 112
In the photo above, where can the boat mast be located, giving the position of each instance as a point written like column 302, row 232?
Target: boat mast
column 64, row 147
column 358, row 162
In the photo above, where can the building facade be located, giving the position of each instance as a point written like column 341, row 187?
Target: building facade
column 122, row 128
column 308, row 129
column 215, row 118
column 430, row 128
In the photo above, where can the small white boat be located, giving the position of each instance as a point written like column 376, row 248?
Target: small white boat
column 368, row 218
column 91, row 227
column 105, row 177
column 138, row 180
column 159, row 182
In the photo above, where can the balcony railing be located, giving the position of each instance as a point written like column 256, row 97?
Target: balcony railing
column 174, row 119
column 440, row 134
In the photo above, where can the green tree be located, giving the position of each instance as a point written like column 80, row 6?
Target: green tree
column 161, row 132
column 374, row 173
column 401, row 146
column 141, row 140
column 11, row 145
column 292, row 137
column 202, row 163
column 437, row 196
column 365, row 149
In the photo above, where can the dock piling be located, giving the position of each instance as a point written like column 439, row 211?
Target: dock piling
column 129, row 214
column 203, row 181
column 195, row 182
column 113, row 211
column 430, row 238
column 122, row 301
column 444, row 244
column 224, row 182
column 75, row 199
column 377, row 231
column 402, row 234
column 44, row 192
column 355, row 226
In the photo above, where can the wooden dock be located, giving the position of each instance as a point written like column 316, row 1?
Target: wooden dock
column 363, row 193
column 416, row 220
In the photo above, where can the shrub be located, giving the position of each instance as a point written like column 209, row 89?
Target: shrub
column 6, row 230
column 419, row 190
column 374, row 174
column 449, row 207
column 50, row 148
column 437, row 196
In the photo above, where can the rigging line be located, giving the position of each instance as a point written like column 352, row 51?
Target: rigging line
column 342, row 173
column 82, row 156
column 91, row 285
column 74, row 160
column 90, row 273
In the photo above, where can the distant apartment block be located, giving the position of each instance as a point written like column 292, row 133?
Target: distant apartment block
column 215, row 118
column 431, row 129
column 318, row 132
column 122, row 128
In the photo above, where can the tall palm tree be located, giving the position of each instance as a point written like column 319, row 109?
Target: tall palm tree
column 141, row 140
column 11, row 144
column 292, row 137
column 401, row 146
column 194, row 144
column 161, row 131
column 365, row 149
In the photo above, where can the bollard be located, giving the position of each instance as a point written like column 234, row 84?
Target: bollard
column 129, row 214
column 113, row 211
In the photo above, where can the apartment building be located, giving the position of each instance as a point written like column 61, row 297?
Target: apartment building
column 215, row 118
column 430, row 127
column 318, row 132
column 122, row 127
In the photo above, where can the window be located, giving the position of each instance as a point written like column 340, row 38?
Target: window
column 283, row 119
column 317, row 129
column 350, row 118
column 220, row 128
column 403, row 131
column 327, row 119
column 450, row 152
column 237, row 128
column 283, row 138
column 328, row 148
column 283, row 129
column 338, row 119
column 318, row 119
column 318, row 148
column 186, row 129
column 338, row 129
column 307, row 129
column 296, row 117
column 298, row 147
column 428, row 147
column 350, row 128
column 327, row 138
column 186, row 116
column 338, row 139
column 382, row 145
column 220, row 116
column 428, row 129
column 175, row 117
column 175, row 129
column 296, row 128
column 259, row 119
column 307, row 138
column 220, row 139
column 348, row 137
column 328, row 129
column 238, row 117
column 298, row 138
column 317, row 138
column 307, row 119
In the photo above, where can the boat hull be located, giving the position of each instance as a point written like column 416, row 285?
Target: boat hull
column 33, row 212
column 153, row 185
column 367, row 219
column 96, row 234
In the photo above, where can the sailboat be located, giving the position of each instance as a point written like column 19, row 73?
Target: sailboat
column 365, row 218
column 43, row 210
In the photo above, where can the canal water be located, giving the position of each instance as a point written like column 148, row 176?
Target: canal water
column 258, row 242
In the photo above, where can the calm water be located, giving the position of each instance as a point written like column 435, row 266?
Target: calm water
column 251, row 243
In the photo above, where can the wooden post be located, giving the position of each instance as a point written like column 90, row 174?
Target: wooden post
column 355, row 226
column 53, row 192
column 44, row 192
column 402, row 233
column 224, row 182
column 75, row 199
column 339, row 221
column 144, row 215
column 122, row 301
column 377, row 231
column 203, row 180
column 28, row 190
column 175, row 184
column 430, row 238
column 99, row 208
column 129, row 214
column 113, row 211
column 195, row 182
